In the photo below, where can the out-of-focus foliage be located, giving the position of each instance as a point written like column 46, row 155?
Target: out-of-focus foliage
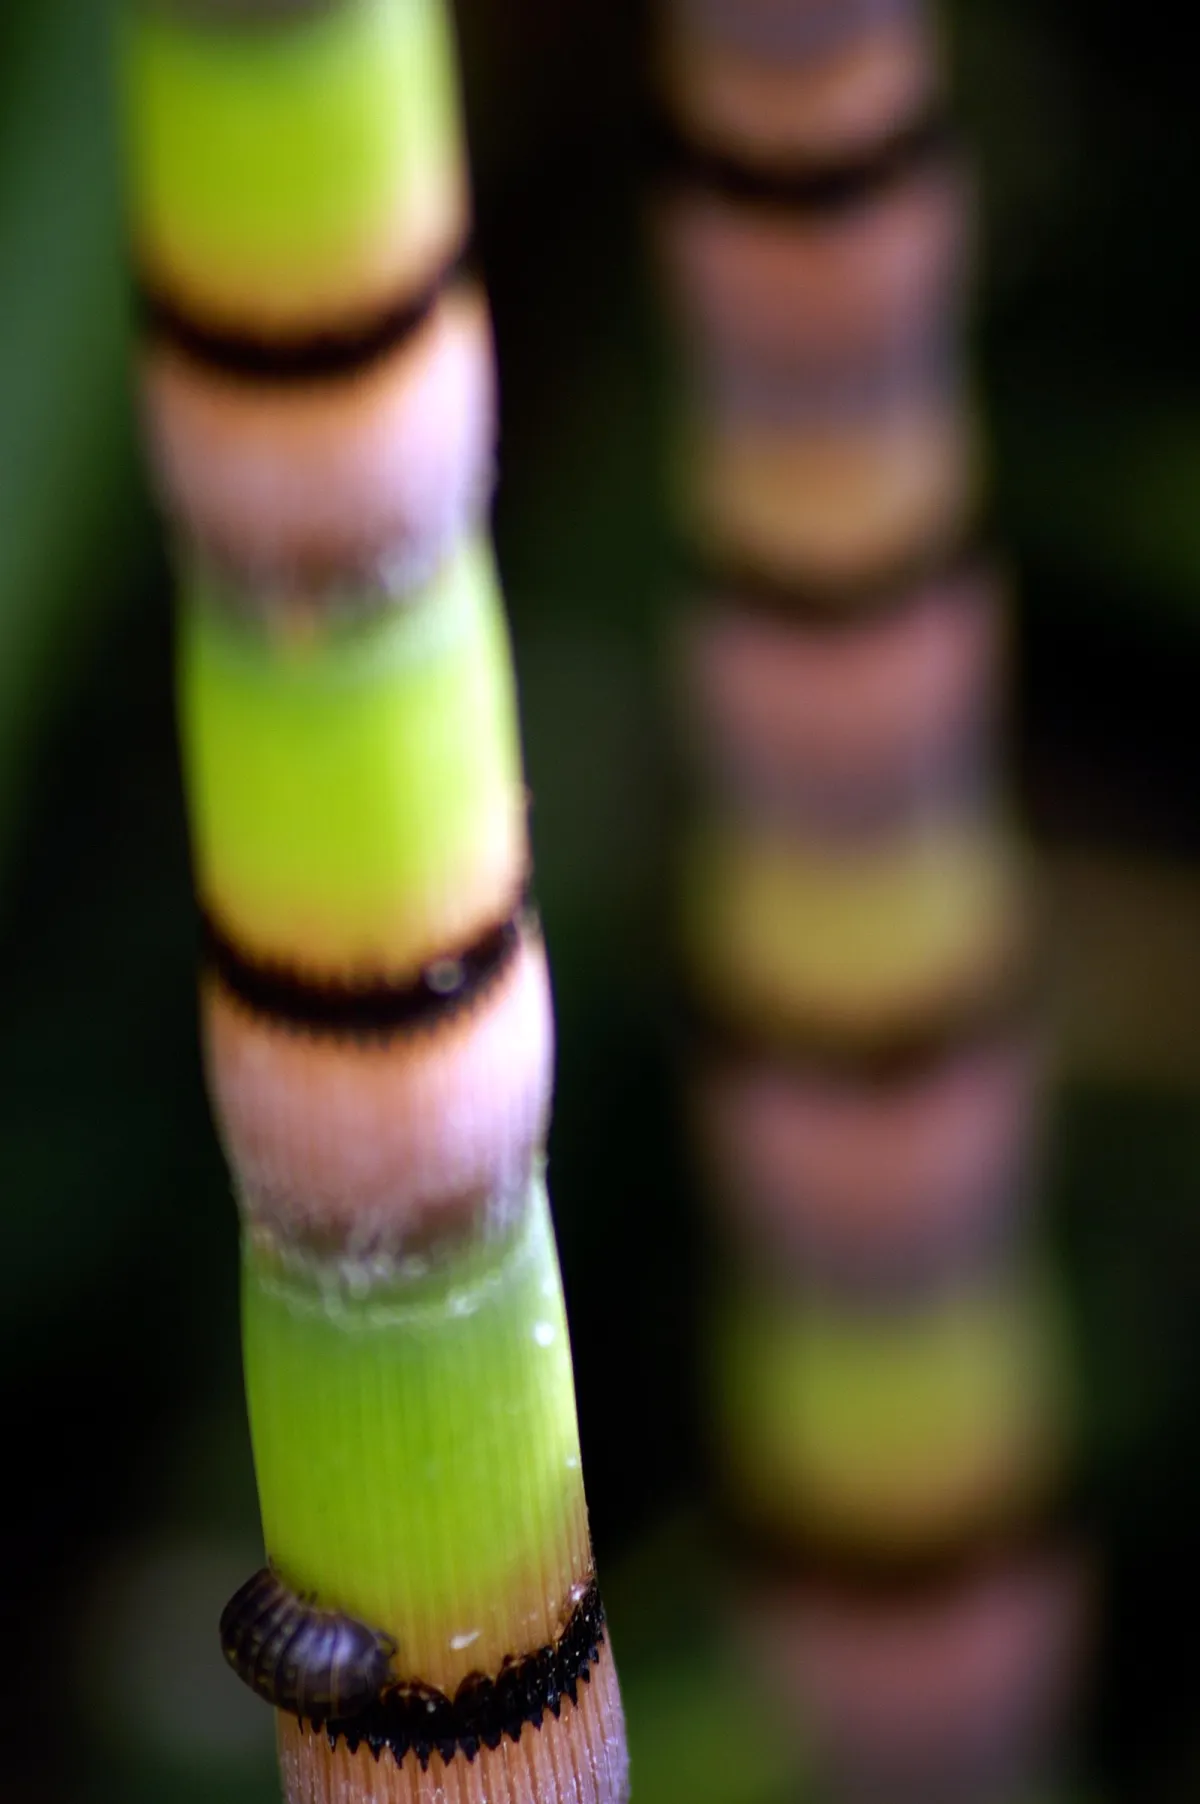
column 69, row 492
column 121, row 1393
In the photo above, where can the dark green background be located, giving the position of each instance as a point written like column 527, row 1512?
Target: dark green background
column 126, row 1470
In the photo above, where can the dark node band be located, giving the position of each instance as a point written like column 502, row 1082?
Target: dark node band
column 370, row 1009
column 418, row 1719
column 1062, row 1513
column 323, row 356
column 890, row 1057
column 811, row 188
column 902, row 1279
column 836, row 607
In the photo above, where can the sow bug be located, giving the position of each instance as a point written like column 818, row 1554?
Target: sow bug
column 316, row 1663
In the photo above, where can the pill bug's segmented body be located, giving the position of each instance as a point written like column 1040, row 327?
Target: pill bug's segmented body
column 316, row 1663
column 319, row 402
column 890, row 1413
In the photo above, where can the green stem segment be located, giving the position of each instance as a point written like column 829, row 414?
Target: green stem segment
column 416, row 1444
column 357, row 803
column 288, row 172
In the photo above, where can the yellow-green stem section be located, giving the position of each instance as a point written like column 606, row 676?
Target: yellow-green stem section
column 416, row 1447
column 787, row 935
column 889, row 1423
column 345, row 793
column 267, row 157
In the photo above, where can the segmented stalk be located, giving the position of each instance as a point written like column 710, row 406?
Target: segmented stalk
column 891, row 1410
column 317, row 383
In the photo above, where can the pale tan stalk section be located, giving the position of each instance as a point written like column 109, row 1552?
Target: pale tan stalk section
column 871, row 1171
column 578, row 1758
column 778, row 109
column 956, row 1678
column 887, row 703
column 367, row 477
column 375, row 1144
column 797, row 288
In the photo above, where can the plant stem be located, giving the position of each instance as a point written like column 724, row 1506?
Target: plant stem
column 891, row 1413
column 319, row 398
